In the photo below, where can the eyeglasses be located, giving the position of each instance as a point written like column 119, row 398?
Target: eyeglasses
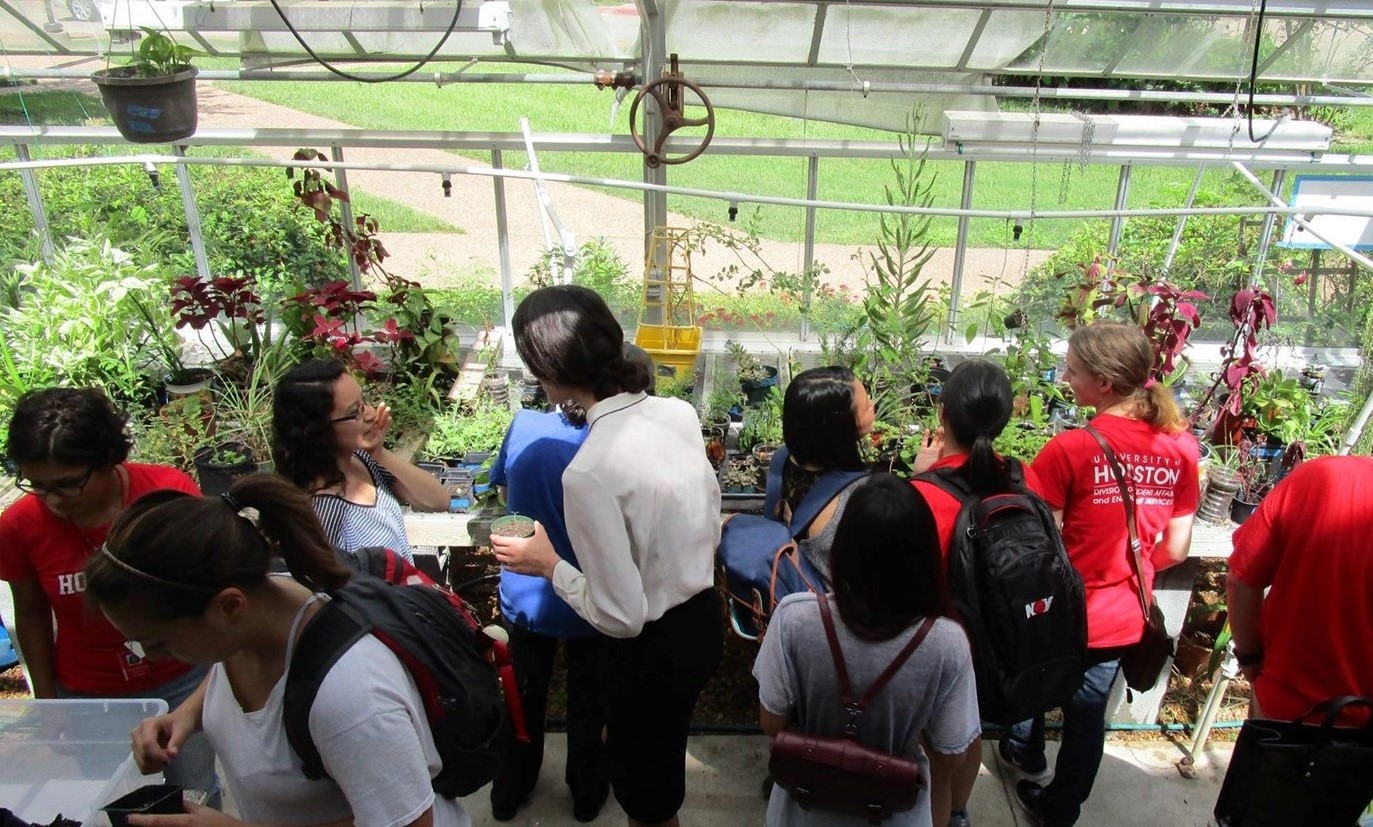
column 69, row 487
column 359, row 414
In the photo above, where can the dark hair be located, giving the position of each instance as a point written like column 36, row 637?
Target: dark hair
column 304, row 443
column 567, row 335
column 173, row 552
column 642, row 364
column 977, row 400
column 818, row 421
column 885, row 560
column 71, row 426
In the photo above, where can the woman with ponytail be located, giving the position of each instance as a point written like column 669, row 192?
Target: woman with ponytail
column 187, row 577
column 642, row 505
column 1109, row 368
column 975, row 406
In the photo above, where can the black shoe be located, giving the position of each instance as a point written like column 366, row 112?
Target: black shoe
column 504, row 808
column 1039, row 775
column 1028, row 793
column 588, row 810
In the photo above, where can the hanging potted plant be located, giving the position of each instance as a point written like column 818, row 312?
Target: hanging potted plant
column 152, row 99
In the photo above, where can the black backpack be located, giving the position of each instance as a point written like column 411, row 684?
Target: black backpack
column 1020, row 599
column 437, row 638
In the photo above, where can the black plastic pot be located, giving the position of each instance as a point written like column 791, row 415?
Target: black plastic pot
column 216, row 477
column 1241, row 510
column 155, row 110
column 757, row 391
column 150, row 799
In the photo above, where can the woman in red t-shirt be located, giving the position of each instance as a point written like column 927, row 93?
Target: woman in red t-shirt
column 67, row 449
column 975, row 405
column 1110, row 368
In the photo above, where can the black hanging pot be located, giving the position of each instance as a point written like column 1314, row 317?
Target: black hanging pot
column 217, row 466
column 149, row 110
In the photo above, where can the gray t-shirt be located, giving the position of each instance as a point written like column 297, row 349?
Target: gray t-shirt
column 816, row 548
column 934, row 693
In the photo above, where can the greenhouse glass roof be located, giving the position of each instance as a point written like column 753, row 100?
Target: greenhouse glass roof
column 802, row 58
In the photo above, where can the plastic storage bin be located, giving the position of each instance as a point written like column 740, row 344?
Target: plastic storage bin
column 69, row 757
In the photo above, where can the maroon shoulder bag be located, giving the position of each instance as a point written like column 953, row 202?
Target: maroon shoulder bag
column 840, row 774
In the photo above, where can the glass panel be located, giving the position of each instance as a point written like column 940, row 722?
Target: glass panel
column 869, row 35
column 1337, row 50
column 1006, row 36
column 1168, row 44
column 1079, row 43
column 719, row 30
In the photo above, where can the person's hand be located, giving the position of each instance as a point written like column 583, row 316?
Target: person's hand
column 526, row 555
column 158, row 740
column 196, row 815
column 374, row 437
column 931, row 446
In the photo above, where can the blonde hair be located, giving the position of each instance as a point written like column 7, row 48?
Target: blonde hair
column 1121, row 353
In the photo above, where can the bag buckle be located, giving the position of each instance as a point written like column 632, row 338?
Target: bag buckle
column 854, row 709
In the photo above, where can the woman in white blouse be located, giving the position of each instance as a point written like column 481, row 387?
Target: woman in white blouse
column 643, row 514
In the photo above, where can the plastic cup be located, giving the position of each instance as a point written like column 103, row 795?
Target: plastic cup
column 512, row 525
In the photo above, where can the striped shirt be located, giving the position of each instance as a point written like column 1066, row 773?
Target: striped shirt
column 351, row 526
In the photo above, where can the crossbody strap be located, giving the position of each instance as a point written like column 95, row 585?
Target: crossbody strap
column 855, row 708
column 1133, row 549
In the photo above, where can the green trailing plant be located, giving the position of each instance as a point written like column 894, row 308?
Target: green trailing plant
column 464, row 428
column 741, row 472
column 159, row 55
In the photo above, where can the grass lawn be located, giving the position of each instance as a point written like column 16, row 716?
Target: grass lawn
column 67, row 108
column 585, row 109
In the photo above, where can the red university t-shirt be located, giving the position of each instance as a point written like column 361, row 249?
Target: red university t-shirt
column 1161, row 470
column 946, row 507
column 1308, row 541
column 89, row 655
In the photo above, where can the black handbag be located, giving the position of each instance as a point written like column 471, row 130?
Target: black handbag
column 1142, row 663
column 838, row 774
column 1291, row 772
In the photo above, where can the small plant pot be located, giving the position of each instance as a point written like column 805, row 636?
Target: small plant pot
column 155, row 110
column 217, row 466
column 756, row 392
column 1191, row 658
column 458, row 482
column 150, row 799
column 496, row 385
column 512, row 525
column 1241, row 509
column 434, row 469
column 473, row 460
column 188, row 382
column 762, row 454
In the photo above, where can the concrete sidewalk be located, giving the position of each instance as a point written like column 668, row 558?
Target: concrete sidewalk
column 1138, row 786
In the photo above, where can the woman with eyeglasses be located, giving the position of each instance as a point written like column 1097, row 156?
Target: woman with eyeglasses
column 68, row 449
column 329, row 440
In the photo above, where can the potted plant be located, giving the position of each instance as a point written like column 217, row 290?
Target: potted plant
column 762, row 429
column 755, row 378
column 152, row 99
column 740, row 476
column 513, row 525
column 1222, row 483
column 180, row 380
column 1255, row 481
column 218, row 465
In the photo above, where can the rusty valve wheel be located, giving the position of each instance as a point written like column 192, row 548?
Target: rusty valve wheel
column 668, row 93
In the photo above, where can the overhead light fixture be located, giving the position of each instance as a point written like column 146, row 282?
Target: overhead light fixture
column 388, row 16
column 1124, row 137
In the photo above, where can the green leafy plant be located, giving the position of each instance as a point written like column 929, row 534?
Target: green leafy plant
column 158, row 54
column 741, row 472
column 763, row 425
column 672, row 385
column 748, row 368
column 464, row 428
column 1280, row 406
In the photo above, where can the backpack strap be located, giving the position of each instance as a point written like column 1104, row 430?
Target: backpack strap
column 333, row 630
column 856, row 708
column 1133, row 547
column 955, row 485
column 826, row 487
column 772, row 491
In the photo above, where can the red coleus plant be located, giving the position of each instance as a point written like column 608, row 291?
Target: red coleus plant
column 229, row 302
column 329, row 319
column 1168, row 316
column 319, row 194
column 1251, row 311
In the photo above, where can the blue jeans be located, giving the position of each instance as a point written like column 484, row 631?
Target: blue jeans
column 1084, row 739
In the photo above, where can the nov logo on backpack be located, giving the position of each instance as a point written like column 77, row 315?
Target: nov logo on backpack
column 460, row 670
column 1019, row 598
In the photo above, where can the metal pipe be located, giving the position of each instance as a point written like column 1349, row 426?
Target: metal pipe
column 563, row 257
column 1356, row 430
column 960, row 252
column 35, row 199
column 1229, row 669
column 1279, row 179
column 584, row 78
column 346, row 211
column 503, row 244
column 188, row 205
column 1118, row 220
column 808, row 253
column 1182, row 222
column 719, row 195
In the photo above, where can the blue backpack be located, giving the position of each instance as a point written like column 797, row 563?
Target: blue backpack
column 758, row 557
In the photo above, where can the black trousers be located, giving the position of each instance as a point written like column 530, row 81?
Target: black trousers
column 587, row 771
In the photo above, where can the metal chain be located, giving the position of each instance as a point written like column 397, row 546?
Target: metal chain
column 1034, row 137
column 1083, row 154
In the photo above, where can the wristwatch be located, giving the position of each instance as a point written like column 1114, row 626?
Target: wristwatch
column 1253, row 658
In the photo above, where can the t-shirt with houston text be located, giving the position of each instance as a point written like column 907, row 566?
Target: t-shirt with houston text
column 1075, row 477
column 89, row 655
